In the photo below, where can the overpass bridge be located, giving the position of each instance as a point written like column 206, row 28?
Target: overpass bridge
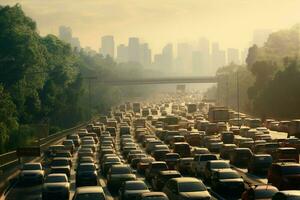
column 162, row 80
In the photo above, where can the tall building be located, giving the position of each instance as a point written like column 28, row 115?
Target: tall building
column 244, row 55
column 122, row 53
column 198, row 63
column 184, row 57
column 218, row 58
column 65, row 34
column 233, row 56
column 134, row 49
column 260, row 36
column 167, row 54
column 108, row 46
column 203, row 47
column 145, row 55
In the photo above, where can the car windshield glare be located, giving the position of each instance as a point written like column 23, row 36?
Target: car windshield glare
column 191, row 187
column 229, row 175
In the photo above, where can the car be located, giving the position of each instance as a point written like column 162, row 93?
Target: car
column 171, row 159
column 86, row 159
column 184, row 165
column 287, row 195
column 118, row 174
column 108, row 162
column 199, row 150
column 69, row 145
column 259, row 192
column 213, row 165
column 56, row 186
column 259, row 164
column 86, row 175
column 132, row 190
column 285, row 175
column 143, row 164
column 240, row 157
column 61, row 165
column 159, row 154
column 186, row 188
column 75, row 138
column 227, row 182
column 182, row 148
column 162, row 177
column 154, row 168
column 85, row 152
column 89, row 193
column 32, row 173
column 199, row 162
column 286, row 153
column 226, row 150
column 153, row 196
column 227, row 137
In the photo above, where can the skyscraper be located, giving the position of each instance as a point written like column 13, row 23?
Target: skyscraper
column 134, row 49
column 107, row 46
column 145, row 55
column 203, row 47
column 197, row 62
column 65, row 34
column 75, row 43
column 122, row 53
column 233, row 56
column 184, row 57
column 218, row 58
column 167, row 56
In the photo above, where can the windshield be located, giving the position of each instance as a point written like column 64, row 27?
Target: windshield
column 219, row 165
column 56, row 179
column 136, row 186
column 290, row 170
column 208, row 157
column 229, row 175
column 191, row 187
column 32, row 167
column 60, row 162
column 121, row 170
column 86, row 168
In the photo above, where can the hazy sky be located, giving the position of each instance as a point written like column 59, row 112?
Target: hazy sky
column 231, row 22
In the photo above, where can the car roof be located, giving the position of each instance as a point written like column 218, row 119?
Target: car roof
column 290, row 192
column 185, row 179
column 166, row 172
column 89, row 189
column 283, row 164
column 151, row 194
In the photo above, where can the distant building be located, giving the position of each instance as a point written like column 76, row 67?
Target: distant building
column 107, row 46
column 260, row 36
column 167, row 54
column 244, row 55
column 203, row 47
column 65, row 34
column 145, row 55
column 218, row 58
column 197, row 63
column 122, row 53
column 89, row 51
column 184, row 57
column 134, row 49
column 233, row 56
column 158, row 61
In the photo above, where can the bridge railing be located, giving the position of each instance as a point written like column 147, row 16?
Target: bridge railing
column 9, row 162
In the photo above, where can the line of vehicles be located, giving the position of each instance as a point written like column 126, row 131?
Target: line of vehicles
column 169, row 150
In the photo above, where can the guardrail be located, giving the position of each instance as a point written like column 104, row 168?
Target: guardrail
column 9, row 161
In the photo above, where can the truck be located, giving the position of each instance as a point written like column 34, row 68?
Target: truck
column 218, row 114
column 136, row 107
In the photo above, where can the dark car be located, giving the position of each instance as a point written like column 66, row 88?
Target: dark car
column 109, row 161
column 259, row 164
column 143, row 164
column 118, row 174
column 159, row 154
column 285, row 176
column 183, row 149
column 227, row 182
column 131, row 190
column 159, row 181
column 154, row 168
column 184, row 165
column 227, row 137
column 171, row 159
column 226, row 150
column 286, row 153
column 214, row 165
column 186, row 188
column 86, row 175
column 240, row 157
column 89, row 193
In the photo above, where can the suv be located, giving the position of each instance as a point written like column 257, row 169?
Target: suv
column 285, row 176
column 199, row 163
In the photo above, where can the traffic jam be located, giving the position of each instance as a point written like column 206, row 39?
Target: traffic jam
column 169, row 150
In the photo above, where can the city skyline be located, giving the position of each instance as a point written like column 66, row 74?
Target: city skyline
column 230, row 22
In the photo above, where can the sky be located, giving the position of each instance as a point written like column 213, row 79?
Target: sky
column 230, row 22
